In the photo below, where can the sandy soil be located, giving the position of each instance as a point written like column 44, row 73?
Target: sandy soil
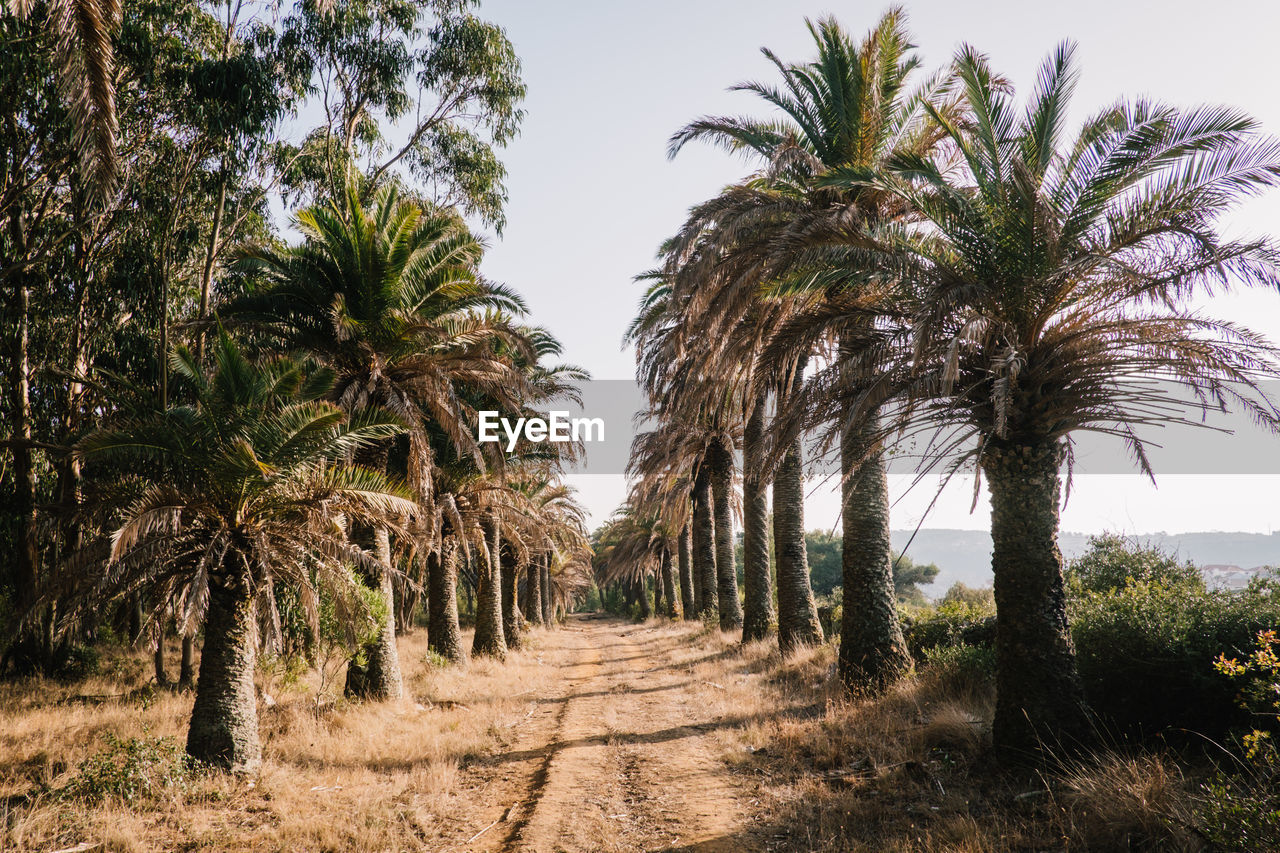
column 622, row 759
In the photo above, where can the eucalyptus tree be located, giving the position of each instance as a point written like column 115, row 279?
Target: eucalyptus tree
column 448, row 82
column 389, row 297
column 848, row 109
column 243, row 488
column 1057, row 279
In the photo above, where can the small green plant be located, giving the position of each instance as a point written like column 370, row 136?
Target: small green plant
column 1240, row 811
column 133, row 769
column 435, row 660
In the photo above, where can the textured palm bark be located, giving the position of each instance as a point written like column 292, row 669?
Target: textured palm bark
column 490, row 640
column 873, row 653
column 512, row 618
column 158, row 656
column 704, row 543
column 548, row 616
column 224, row 718
column 533, row 591
column 685, row 570
column 187, row 669
column 379, row 676
column 642, row 595
column 669, row 583
column 798, row 623
column 1039, row 698
column 444, row 636
column 720, row 462
column 757, row 611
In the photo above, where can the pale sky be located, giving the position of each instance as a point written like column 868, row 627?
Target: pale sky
column 593, row 193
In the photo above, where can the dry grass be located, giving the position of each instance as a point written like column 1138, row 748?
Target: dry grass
column 344, row 777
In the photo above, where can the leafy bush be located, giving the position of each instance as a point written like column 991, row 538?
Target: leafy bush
column 1241, row 811
column 964, row 666
column 1146, row 651
column 133, row 769
column 1112, row 562
column 950, row 624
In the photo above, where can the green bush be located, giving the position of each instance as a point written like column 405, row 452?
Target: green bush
column 133, row 769
column 962, row 665
column 950, row 624
column 1240, row 811
column 1146, row 652
column 1112, row 562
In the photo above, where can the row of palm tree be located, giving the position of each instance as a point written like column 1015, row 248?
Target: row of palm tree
column 329, row 449
column 927, row 264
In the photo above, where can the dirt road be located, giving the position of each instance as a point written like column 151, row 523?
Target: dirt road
column 623, row 758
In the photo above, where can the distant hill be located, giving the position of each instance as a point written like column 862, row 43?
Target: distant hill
column 965, row 555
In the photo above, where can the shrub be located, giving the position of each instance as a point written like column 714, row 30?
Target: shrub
column 949, row 624
column 132, row 769
column 1146, row 652
column 962, row 666
column 1112, row 562
column 1241, row 811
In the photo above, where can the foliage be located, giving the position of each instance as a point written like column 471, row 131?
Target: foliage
column 962, row 665
column 1240, row 811
column 133, row 769
column 961, row 593
column 1112, row 562
column 1147, row 650
column 826, row 569
column 949, row 624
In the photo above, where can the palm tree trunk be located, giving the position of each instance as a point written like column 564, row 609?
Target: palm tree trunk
column 642, row 592
column 687, row 586
column 669, row 583
column 489, row 640
column 444, row 637
column 533, row 591
column 224, row 718
column 872, row 650
column 757, row 616
column 1039, row 698
column 379, row 678
column 162, row 677
column 187, row 669
column 548, row 616
column 704, row 545
column 798, row 623
column 512, row 620
column 720, row 462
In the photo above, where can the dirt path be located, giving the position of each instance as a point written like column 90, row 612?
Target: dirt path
column 621, row 760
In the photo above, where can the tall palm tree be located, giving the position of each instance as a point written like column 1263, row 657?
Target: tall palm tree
column 82, row 32
column 1054, row 279
column 849, row 108
column 389, row 297
column 240, row 490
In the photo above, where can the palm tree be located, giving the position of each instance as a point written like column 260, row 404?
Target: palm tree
column 1054, row 277
column 847, row 109
column 82, row 32
column 240, row 490
column 390, row 299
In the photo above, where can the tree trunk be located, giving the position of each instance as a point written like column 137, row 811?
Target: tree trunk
column 512, row 620
column 720, row 462
column 444, row 637
column 224, row 719
column 798, row 623
column 872, row 651
column 489, row 640
column 24, row 471
column 757, row 615
column 548, row 617
column 669, row 583
column 187, row 669
column 1039, row 698
column 704, row 544
column 533, row 591
column 642, row 592
column 379, row 677
column 687, row 586
column 162, row 678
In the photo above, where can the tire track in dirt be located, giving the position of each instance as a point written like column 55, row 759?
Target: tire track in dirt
column 631, row 766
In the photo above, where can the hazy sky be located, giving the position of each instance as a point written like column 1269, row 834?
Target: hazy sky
column 593, row 193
